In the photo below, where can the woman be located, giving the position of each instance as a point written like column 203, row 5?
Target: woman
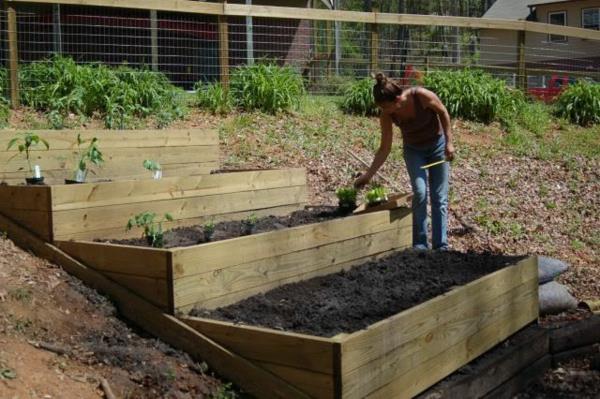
column 427, row 138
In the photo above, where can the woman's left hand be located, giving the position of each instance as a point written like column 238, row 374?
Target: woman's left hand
column 449, row 152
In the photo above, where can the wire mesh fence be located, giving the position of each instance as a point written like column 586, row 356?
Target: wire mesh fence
column 186, row 47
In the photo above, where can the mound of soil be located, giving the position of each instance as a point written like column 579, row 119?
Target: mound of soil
column 193, row 235
column 352, row 300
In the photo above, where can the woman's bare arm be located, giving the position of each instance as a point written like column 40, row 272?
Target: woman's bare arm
column 385, row 147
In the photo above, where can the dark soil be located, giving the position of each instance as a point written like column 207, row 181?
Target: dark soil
column 352, row 300
column 193, row 235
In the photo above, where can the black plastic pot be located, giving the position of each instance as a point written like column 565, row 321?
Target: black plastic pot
column 346, row 208
column 34, row 181
column 69, row 181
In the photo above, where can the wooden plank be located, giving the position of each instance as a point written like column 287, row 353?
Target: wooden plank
column 519, row 313
column 97, row 218
column 37, row 222
column 120, row 192
column 155, row 291
column 299, row 351
column 13, row 56
column 316, row 385
column 237, row 296
column 230, row 9
column 521, row 61
column 521, row 381
column 123, row 259
column 119, row 233
column 224, row 51
column 497, row 367
column 255, row 380
column 258, row 246
column 67, row 139
column 374, row 46
column 365, row 346
column 471, row 318
column 264, row 274
column 35, row 198
column 579, row 352
column 580, row 333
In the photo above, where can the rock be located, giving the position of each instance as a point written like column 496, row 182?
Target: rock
column 550, row 268
column 555, row 298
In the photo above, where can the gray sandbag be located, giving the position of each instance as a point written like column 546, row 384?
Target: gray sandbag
column 555, row 298
column 550, row 268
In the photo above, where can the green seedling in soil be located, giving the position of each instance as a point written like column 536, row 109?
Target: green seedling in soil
column 21, row 294
column 153, row 230
column 25, row 142
column 346, row 199
column 209, row 230
column 376, row 196
column 153, row 167
column 91, row 154
column 248, row 224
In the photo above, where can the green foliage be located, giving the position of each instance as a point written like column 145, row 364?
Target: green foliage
column 151, row 165
column 346, row 195
column 209, row 229
column 358, row 98
column 580, row 103
column 90, row 154
column 266, row 87
column 25, row 142
column 214, row 97
column 376, row 195
column 249, row 223
column 474, row 95
column 153, row 230
column 59, row 86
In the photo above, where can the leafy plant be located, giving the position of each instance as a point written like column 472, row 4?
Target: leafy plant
column 214, row 97
column 90, row 154
column 346, row 198
column 580, row 103
column 376, row 195
column 209, row 230
column 25, row 142
column 154, row 167
column 266, row 87
column 153, row 230
column 248, row 224
column 358, row 99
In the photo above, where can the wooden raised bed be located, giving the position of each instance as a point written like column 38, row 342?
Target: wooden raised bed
column 223, row 272
column 84, row 211
column 181, row 152
column 398, row 357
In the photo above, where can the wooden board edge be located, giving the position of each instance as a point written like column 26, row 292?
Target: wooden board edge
column 164, row 326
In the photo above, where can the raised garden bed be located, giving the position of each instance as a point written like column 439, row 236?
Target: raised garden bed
column 223, row 272
column 92, row 210
column 397, row 357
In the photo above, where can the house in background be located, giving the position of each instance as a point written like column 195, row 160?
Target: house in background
column 544, row 52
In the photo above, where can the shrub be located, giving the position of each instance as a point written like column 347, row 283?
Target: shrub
column 580, row 103
column 358, row 98
column 59, row 86
column 266, row 87
column 213, row 97
column 474, row 95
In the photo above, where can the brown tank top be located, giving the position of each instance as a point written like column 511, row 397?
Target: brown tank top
column 422, row 131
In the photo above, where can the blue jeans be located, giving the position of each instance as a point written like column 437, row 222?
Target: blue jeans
column 415, row 157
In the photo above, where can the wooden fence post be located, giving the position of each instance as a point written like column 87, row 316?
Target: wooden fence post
column 521, row 65
column 13, row 56
column 374, row 45
column 154, row 38
column 224, row 50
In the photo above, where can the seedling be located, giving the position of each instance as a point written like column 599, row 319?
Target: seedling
column 153, row 230
column 209, row 230
column 91, row 154
column 346, row 199
column 376, row 196
column 248, row 224
column 153, row 167
column 25, row 142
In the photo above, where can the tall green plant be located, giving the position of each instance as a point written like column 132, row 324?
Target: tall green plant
column 90, row 153
column 266, row 87
column 25, row 142
column 214, row 97
column 580, row 103
column 358, row 99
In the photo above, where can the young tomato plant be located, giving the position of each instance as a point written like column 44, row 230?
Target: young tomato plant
column 153, row 167
column 25, row 142
column 153, row 230
column 248, row 224
column 346, row 199
column 209, row 230
column 376, row 196
column 91, row 154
